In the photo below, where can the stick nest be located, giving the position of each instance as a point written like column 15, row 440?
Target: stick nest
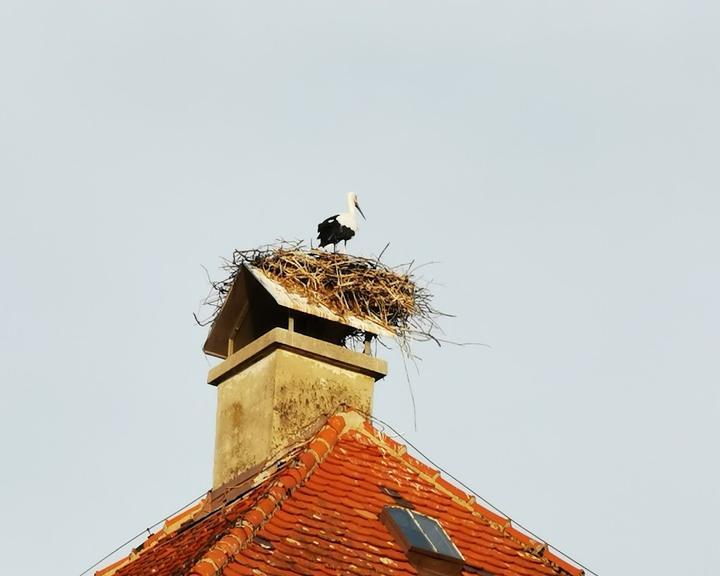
column 347, row 285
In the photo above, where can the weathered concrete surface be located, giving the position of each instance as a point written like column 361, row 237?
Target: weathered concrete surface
column 272, row 397
column 307, row 389
column 243, row 429
column 300, row 344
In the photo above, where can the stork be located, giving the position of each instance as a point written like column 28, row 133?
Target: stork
column 340, row 227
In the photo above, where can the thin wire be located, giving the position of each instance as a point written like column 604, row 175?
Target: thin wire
column 141, row 533
column 271, row 462
column 412, row 394
column 469, row 489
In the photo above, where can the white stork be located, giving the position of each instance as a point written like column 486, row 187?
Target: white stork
column 340, row 227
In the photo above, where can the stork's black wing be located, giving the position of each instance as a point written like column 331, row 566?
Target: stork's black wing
column 328, row 231
column 327, row 224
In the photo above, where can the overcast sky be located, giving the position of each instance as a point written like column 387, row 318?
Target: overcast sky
column 557, row 160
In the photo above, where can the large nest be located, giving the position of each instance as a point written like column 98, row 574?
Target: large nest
column 345, row 284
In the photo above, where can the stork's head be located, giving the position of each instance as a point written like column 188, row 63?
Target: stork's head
column 353, row 201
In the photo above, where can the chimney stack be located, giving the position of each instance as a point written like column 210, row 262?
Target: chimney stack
column 284, row 369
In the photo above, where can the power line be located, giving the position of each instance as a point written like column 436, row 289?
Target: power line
column 272, row 460
column 469, row 489
column 148, row 529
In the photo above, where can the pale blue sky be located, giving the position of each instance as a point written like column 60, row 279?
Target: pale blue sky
column 558, row 159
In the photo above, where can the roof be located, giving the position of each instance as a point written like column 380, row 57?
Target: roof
column 316, row 511
column 299, row 303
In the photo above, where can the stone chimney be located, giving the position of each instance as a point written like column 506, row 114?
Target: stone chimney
column 284, row 368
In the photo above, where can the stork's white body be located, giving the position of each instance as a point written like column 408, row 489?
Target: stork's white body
column 349, row 218
column 340, row 227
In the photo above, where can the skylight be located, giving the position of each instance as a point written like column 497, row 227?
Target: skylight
column 421, row 534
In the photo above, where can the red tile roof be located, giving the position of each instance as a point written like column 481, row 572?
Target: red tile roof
column 317, row 512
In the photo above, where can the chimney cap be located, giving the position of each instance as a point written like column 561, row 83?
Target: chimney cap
column 239, row 298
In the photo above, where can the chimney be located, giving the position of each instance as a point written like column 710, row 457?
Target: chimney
column 284, row 368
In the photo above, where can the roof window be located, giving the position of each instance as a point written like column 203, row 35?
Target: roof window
column 427, row 545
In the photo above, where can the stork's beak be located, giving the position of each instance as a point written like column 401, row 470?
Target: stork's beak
column 359, row 210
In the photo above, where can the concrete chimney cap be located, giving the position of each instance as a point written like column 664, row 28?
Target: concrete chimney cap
column 300, row 304
column 238, row 299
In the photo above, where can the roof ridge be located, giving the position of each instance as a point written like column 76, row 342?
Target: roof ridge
column 537, row 549
column 241, row 534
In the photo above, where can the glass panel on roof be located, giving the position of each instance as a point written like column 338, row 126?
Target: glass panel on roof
column 436, row 536
column 422, row 533
column 408, row 528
